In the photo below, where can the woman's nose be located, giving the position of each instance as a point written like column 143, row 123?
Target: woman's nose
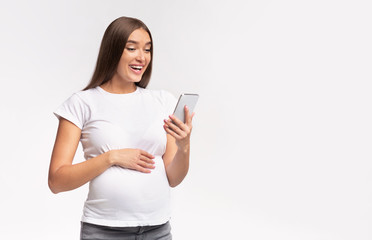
column 140, row 56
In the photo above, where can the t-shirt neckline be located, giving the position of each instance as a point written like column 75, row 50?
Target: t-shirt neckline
column 118, row 94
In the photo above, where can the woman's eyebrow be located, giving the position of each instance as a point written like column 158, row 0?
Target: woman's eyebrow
column 135, row 42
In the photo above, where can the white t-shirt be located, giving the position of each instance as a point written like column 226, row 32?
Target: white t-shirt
column 122, row 197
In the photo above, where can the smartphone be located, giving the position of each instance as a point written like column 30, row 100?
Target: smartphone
column 188, row 99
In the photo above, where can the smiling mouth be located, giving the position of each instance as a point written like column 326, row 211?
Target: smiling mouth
column 136, row 68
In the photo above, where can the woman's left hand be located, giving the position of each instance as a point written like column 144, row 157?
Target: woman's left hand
column 179, row 130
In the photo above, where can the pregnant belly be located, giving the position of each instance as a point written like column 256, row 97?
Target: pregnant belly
column 122, row 192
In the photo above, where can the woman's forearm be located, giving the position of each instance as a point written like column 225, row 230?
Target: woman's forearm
column 177, row 169
column 69, row 177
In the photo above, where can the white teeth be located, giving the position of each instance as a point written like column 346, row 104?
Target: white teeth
column 137, row 67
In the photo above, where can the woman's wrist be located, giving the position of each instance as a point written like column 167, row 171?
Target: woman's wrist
column 184, row 148
column 108, row 156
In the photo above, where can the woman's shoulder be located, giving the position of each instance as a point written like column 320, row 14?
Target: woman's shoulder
column 88, row 92
column 86, row 95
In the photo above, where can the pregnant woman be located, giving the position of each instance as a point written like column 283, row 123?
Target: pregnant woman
column 135, row 150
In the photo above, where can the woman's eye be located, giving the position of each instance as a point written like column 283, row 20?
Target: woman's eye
column 148, row 50
column 131, row 49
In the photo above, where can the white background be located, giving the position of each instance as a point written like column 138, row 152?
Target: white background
column 281, row 146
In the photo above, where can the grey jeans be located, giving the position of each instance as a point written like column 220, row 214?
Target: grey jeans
column 97, row 232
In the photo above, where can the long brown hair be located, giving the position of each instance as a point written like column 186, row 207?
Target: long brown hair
column 112, row 47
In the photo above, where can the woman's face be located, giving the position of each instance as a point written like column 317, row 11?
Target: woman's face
column 135, row 58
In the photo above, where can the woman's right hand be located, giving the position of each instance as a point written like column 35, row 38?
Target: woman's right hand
column 135, row 159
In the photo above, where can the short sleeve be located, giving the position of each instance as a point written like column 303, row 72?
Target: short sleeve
column 74, row 110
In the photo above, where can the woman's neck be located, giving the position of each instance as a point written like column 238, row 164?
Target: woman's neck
column 113, row 86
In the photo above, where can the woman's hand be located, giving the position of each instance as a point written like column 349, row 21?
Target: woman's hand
column 179, row 130
column 135, row 159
